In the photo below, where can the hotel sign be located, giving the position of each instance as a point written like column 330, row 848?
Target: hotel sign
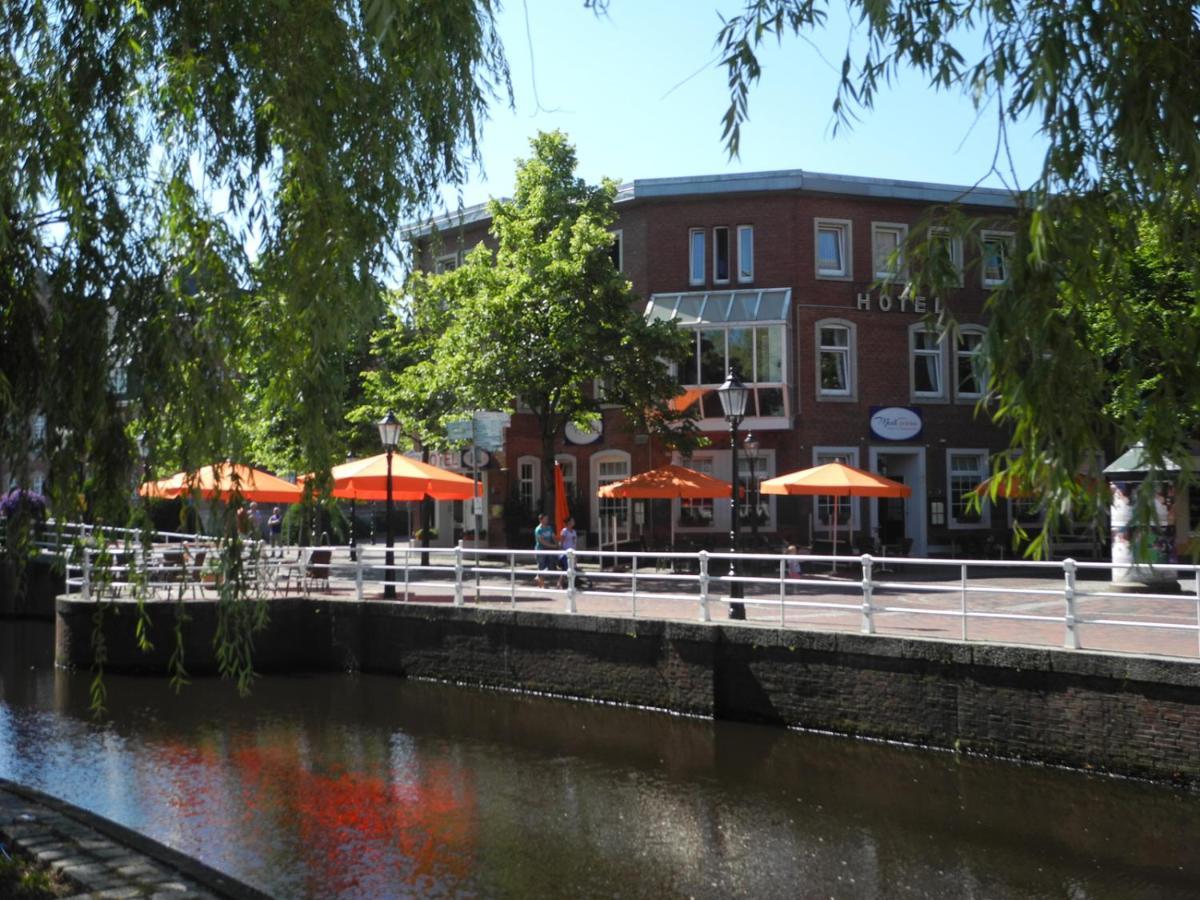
column 896, row 423
column 901, row 303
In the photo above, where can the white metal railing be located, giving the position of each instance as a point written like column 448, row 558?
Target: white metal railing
column 955, row 598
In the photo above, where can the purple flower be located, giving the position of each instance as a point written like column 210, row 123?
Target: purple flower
column 19, row 502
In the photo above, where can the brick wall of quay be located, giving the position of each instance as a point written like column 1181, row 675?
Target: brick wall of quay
column 1130, row 715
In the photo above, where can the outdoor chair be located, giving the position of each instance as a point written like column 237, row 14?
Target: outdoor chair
column 316, row 569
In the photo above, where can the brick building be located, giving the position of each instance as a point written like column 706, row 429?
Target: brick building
column 773, row 272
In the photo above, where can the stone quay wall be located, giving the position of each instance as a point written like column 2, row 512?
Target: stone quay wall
column 1131, row 715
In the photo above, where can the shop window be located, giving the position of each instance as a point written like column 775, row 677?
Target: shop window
column 835, row 359
column 696, row 256
column 607, row 467
column 887, row 250
column 966, row 470
column 833, row 248
column 927, row 363
column 698, row 512
column 721, row 255
column 745, row 253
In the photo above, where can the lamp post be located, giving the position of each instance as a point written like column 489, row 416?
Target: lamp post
column 733, row 396
column 353, row 519
column 750, row 445
column 389, row 436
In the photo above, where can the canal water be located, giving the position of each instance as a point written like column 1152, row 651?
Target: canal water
column 360, row 786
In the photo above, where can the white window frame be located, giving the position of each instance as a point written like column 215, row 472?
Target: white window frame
column 927, row 396
column 901, row 232
column 959, row 355
column 851, row 351
column 983, row 471
column 728, row 255
column 956, row 250
column 440, row 266
column 619, row 242
column 820, row 456
column 764, row 468
column 1004, row 237
column 706, row 465
column 609, row 456
column 535, row 480
column 844, row 228
column 693, row 257
column 745, row 272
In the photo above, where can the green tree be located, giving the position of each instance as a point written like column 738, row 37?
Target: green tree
column 183, row 182
column 546, row 315
column 1112, row 87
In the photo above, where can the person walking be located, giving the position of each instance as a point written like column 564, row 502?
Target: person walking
column 275, row 526
column 543, row 540
column 567, row 540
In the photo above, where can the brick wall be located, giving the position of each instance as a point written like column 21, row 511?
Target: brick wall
column 1129, row 715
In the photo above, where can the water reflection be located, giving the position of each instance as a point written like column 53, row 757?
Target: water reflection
column 356, row 786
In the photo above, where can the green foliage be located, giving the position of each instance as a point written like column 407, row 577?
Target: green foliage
column 546, row 314
column 1091, row 342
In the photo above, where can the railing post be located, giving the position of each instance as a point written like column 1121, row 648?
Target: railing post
column 407, row 567
column 1071, row 638
column 633, row 588
column 704, row 616
column 1196, row 576
column 358, row 573
column 571, row 580
column 458, row 573
column 964, row 601
column 868, row 589
column 87, row 574
column 782, row 593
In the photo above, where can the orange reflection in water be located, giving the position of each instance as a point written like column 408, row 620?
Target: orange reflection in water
column 380, row 824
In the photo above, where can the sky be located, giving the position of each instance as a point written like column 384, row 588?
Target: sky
column 640, row 94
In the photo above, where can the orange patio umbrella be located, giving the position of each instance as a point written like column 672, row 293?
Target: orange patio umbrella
column 669, row 482
column 221, row 481
column 366, row 479
column 835, row 479
column 562, row 511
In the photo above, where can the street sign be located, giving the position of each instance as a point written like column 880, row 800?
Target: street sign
column 488, row 431
column 459, row 430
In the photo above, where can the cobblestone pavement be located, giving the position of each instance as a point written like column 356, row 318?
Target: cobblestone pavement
column 102, row 859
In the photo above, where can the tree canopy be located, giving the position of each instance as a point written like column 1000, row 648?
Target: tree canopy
column 546, row 316
column 1113, row 88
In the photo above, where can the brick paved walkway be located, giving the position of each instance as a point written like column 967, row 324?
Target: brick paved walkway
column 106, row 861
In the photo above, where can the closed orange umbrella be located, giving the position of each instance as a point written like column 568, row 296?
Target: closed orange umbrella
column 835, row 479
column 562, row 511
column 222, row 481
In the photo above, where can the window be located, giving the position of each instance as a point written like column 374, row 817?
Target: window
column 926, row 362
column 745, row 253
column 721, row 255
column 697, row 513
column 755, row 352
column 833, row 248
column 696, row 256
column 997, row 248
column 618, row 250
column 39, row 429
column 835, row 359
column 607, row 467
column 887, row 245
column 447, row 263
column 824, row 504
column 752, row 502
column 529, row 481
column 946, row 253
column 968, row 364
column 966, row 470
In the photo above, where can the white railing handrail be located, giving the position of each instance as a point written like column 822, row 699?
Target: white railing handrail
column 463, row 571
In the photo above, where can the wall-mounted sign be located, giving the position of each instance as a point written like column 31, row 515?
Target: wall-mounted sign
column 580, row 436
column 886, row 302
column 896, row 423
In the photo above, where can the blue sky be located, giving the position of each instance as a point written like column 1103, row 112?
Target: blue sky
column 640, row 95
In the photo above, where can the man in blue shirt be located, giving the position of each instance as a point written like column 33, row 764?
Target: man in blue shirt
column 543, row 539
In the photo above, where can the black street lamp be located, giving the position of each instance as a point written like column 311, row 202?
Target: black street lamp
column 733, row 396
column 750, row 445
column 353, row 519
column 389, row 436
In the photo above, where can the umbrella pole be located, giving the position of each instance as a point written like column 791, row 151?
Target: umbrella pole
column 837, row 502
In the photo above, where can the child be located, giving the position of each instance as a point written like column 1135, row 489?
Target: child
column 793, row 562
